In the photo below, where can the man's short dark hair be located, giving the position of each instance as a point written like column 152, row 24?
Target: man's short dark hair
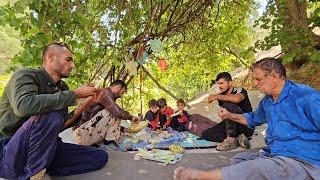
column 57, row 44
column 153, row 103
column 269, row 65
column 119, row 82
column 162, row 102
column 224, row 75
column 181, row 101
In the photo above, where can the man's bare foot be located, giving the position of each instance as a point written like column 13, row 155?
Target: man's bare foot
column 182, row 173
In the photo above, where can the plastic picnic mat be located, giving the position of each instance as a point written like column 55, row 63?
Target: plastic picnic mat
column 184, row 139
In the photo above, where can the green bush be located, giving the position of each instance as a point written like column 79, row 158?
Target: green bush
column 3, row 81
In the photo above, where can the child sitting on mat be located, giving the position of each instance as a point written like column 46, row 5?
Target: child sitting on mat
column 153, row 115
column 180, row 117
column 165, row 113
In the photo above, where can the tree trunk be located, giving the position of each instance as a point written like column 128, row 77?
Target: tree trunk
column 297, row 38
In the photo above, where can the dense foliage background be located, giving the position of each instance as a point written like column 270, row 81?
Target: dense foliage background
column 200, row 39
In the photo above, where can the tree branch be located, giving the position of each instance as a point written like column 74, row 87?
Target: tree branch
column 236, row 55
column 158, row 84
column 172, row 13
column 217, row 15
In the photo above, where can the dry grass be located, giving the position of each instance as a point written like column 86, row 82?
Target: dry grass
column 308, row 74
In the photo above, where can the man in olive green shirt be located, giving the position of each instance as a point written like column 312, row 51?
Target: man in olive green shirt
column 33, row 111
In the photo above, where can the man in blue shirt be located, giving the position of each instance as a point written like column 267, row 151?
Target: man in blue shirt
column 292, row 113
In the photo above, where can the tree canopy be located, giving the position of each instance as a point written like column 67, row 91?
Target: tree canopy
column 199, row 38
column 290, row 23
column 9, row 46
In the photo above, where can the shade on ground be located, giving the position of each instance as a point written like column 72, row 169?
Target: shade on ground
column 121, row 166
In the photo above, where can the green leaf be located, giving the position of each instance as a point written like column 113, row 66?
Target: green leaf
column 116, row 62
column 315, row 56
column 288, row 58
column 20, row 6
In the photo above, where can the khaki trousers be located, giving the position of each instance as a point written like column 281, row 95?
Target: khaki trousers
column 103, row 126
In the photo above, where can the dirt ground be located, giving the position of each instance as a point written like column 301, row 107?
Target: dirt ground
column 121, row 166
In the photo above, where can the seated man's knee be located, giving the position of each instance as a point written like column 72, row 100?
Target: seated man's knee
column 54, row 118
column 241, row 157
column 231, row 107
column 261, row 165
column 206, row 133
column 101, row 158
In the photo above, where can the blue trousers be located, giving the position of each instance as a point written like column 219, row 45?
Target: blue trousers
column 36, row 146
